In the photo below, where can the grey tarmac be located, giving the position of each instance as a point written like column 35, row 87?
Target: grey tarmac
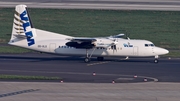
column 73, row 69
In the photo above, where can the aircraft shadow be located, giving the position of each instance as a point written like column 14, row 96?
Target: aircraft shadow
column 41, row 58
column 75, row 58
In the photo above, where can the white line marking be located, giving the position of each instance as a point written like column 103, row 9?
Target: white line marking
column 98, row 63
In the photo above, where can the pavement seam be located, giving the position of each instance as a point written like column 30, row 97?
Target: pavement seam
column 18, row 92
column 98, row 63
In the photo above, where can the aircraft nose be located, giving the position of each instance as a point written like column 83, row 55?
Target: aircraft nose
column 161, row 51
column 165, row 51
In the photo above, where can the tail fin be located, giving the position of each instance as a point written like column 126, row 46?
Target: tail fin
column 22, row 26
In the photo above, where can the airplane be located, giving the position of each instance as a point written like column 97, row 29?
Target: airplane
column 25, row 35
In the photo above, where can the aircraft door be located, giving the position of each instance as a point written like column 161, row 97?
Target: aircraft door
column 52, row 47
column 135, row 51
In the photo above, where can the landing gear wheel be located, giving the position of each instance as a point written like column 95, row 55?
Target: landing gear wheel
column 86, row 60
column 156, row 61
column 100, row 58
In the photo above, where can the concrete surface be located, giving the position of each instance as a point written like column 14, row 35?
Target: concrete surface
column 28, row 91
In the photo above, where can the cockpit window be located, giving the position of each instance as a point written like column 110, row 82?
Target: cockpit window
column 149, row 45
column 146, row 45
column 152, row 45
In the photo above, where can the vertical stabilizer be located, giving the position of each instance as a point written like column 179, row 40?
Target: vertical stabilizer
column 22, row 27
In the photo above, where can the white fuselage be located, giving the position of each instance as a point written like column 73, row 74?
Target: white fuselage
column 57, row 45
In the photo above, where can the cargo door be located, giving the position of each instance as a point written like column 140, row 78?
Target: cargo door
column 52, row 47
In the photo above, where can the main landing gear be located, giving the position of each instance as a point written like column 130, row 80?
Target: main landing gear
column 156, row 59
column 88, row 57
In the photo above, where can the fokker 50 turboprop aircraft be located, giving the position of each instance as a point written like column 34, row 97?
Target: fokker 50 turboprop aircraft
column 26, row 36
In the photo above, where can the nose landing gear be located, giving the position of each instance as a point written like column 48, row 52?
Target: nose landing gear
column 156, row 59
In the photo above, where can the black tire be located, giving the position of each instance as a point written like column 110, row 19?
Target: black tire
column 87, row 60
column 156, row 61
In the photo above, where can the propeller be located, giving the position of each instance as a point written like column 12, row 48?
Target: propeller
column 113, row 46
column 127, row 36
column 119, row 36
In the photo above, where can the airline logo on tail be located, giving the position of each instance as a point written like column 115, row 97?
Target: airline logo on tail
column 24, row 26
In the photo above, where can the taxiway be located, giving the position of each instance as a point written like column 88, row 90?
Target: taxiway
column 73, row 69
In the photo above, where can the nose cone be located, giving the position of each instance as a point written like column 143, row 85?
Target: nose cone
column 166, row 51
column 161, row 51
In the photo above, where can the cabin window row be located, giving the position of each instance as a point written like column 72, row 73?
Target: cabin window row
column 109, row 48
column 96, row 48
column 65, row 47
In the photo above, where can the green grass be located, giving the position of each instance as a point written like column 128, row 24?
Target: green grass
column 160, row 27
column 13, row 49
column 15, row 77
column 173, row 53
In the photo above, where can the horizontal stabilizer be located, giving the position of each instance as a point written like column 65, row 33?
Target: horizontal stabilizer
column 22, row 36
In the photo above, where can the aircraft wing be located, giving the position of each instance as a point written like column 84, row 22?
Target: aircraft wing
column 84, row 43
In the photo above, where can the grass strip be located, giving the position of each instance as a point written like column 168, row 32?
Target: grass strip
column 173, row 54
column 20, row 77
column 13, row 49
